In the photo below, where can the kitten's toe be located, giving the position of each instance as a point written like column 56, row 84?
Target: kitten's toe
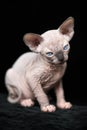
column 68, row 105
column 49, row 108
column 64, row 105
column 27, row 102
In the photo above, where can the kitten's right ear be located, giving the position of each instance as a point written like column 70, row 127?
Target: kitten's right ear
column 32, row 40
column 67, row 28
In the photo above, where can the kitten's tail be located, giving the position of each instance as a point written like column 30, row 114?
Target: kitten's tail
column 14, row 95
column 12, row 82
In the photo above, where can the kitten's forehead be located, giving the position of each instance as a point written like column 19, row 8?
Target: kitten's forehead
column 51, row 34
column 53, row 37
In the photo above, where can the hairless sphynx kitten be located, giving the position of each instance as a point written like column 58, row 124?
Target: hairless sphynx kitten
column 35, row 73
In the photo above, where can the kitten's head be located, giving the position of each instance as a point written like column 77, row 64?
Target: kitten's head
column 53, row 44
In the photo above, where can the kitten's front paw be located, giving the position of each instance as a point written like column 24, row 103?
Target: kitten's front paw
column 64, row 105
column 49, row 108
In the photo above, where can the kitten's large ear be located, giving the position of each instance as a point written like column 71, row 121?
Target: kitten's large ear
column 67, row 28
column 32, row 40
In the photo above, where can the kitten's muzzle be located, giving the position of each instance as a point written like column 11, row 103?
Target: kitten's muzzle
column 60, row 56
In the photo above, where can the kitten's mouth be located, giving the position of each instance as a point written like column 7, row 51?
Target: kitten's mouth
column 58, row 63
column 62, row 62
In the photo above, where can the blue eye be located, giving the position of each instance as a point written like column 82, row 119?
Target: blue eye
column 66, row 47
column 49, row 54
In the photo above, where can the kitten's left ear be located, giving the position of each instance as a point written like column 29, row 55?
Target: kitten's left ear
column 67, row 28
column 32, row 40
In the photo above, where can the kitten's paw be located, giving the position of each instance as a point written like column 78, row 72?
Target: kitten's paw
column 64, row 105
column 49, row 108
column 27, row 102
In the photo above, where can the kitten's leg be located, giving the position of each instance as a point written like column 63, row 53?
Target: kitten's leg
column 61, row 102
column 40, row 94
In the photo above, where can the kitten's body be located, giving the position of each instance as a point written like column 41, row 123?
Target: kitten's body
column 34, row 73
column 50, row 74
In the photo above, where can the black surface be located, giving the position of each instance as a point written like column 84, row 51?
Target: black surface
column 15, row 117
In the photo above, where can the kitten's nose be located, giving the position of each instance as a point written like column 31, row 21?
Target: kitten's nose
column 60, row 56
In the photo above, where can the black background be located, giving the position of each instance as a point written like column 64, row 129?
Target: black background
column 20, row 17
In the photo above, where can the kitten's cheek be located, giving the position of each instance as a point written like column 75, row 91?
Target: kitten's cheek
column 66, row 57
column 55, row 61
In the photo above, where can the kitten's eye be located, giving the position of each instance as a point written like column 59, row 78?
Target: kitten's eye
column 66, row 47
column 49, row 54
